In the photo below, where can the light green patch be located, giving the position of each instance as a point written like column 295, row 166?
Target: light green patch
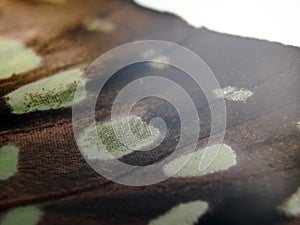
column 291, row 207
column 52, row 92
column 28, row 215
column 100, row 25
column 8, row 161
column 145, row 135
column 15, row 58
column 182, row 214
column 225, row 159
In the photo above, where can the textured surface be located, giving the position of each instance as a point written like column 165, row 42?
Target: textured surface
column 262, row 129
column 53, row 92
column 144, row 135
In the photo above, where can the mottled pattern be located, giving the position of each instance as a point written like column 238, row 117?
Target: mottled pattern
column 110, row 146
column 259, row 81
column 233, row 94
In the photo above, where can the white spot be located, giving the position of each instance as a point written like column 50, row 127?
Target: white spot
column 233, row 94
column 225, row 158
column 151, row 54
column 162, row 62
column 291, row 207
column 182, row 214
column 100, row 25
column 256, row 18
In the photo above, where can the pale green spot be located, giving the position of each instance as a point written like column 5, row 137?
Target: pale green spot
column 298, row 125
column 182, row 214
column 146, row 135
column 8, row 161
column 225, row 159
column 291, row 207
column 15, row 58
column 97, row 24
column 53, row 92
column 28, row 215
